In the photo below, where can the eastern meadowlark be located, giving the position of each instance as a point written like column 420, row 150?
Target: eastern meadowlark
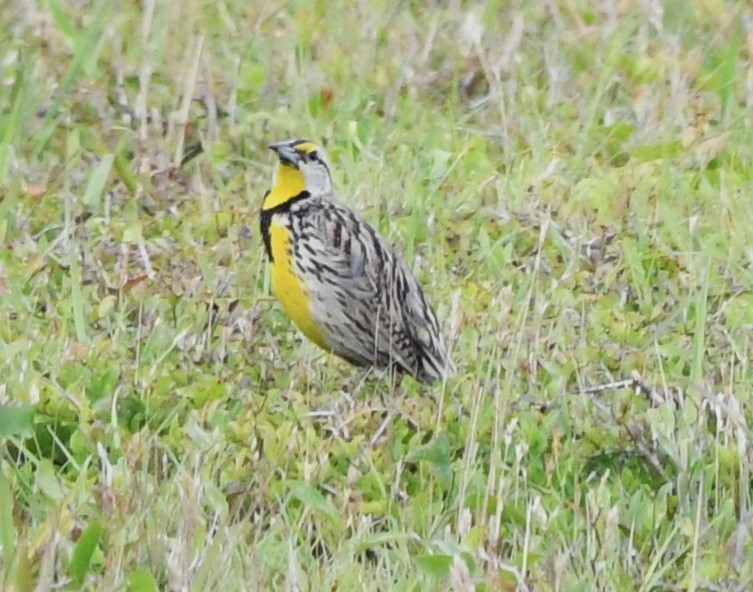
column 338, row 279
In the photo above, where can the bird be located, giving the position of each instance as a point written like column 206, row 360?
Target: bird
column 338, row 279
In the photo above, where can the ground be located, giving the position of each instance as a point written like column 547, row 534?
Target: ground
column 569, row 180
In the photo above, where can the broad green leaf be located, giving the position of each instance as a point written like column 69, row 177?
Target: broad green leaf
column 313, row 498
column 435, row 565
column 438, row 454
column 141, row 580
column 132, row 234
column 657, row 152
column 47, row 480
column 16, row 420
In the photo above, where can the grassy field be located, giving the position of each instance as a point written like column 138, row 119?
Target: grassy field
column 570, row 180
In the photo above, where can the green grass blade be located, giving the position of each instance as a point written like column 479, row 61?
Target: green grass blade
column 77, row 297
column 83, row 551
column 86, row 50
column 699, row 337
column 727, row 75
column 97, row 182
column 7, row 528
column 61, row 20
column 12, row 121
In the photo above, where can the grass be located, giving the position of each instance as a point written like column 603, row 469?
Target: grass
column 570, row 182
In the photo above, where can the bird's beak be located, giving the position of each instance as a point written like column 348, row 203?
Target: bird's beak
column 286, row 153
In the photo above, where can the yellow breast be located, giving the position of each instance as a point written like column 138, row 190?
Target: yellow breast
column 290, row 290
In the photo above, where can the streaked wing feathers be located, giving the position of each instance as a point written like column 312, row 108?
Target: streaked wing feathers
column 369, row 303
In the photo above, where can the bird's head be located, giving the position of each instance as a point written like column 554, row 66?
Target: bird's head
column 303, row 162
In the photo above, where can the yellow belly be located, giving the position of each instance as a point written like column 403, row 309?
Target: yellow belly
column 288, row 287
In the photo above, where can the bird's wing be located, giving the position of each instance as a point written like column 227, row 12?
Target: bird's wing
column 374, row 293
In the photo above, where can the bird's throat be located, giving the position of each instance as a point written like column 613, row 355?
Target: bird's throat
column 288, row 185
